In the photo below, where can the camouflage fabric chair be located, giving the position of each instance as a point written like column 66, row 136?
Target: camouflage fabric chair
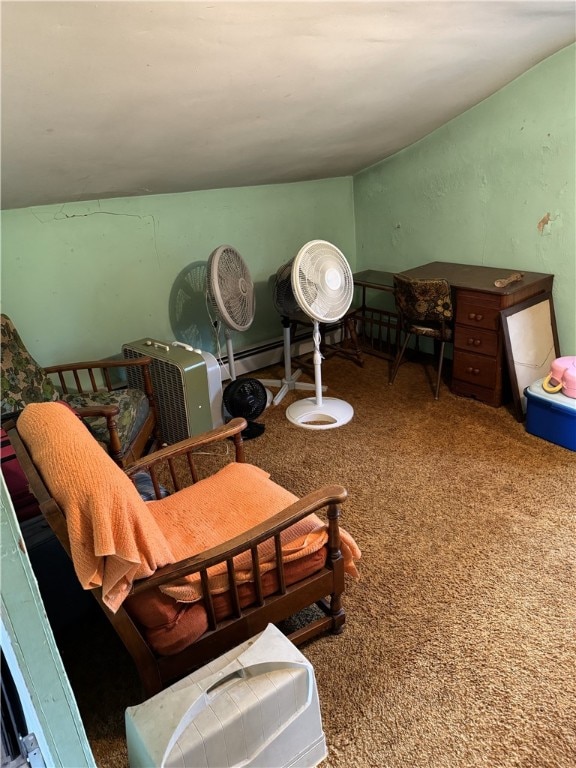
column 424, row 309
column 123, row 420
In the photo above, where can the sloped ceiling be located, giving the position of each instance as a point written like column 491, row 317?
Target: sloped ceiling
column 117, row 98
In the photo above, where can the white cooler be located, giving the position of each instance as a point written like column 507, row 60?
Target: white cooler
column 256, row 706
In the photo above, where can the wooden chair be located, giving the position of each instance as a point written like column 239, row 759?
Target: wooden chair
column 424, row 309
column 123, row 419
column 245, row 608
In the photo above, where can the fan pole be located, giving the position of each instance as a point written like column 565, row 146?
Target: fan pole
column 317, row 362
column 290, row 380
column 231, row 365
column 287, row 351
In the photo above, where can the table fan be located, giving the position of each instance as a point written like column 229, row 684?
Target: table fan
column 247, row 398
column 322, row 286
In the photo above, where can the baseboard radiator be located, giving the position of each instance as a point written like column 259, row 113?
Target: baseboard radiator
column 272, row 353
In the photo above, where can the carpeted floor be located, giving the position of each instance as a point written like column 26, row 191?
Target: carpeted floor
column 459, row 647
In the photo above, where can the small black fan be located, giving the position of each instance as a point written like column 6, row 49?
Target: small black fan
column 246, row 398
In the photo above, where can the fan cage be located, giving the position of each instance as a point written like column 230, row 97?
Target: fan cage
column 322, row 281
column 284, row 299
column 245, row 397
column 229, row 288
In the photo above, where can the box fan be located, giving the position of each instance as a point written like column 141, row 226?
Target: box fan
column 187, row 386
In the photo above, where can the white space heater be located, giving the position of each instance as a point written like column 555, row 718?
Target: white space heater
column 254, row 707
column 187, row 386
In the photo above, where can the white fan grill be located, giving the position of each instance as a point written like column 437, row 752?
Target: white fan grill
column 322, row 281
column 230, row 288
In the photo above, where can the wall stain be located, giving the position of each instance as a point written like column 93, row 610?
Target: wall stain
column 543, row 222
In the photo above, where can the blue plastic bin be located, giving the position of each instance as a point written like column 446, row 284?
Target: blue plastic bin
column 551, row 416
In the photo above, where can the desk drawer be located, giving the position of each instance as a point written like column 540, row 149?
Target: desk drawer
column 478, row 316
column 490, row 396
column 476, row 369
column 476, row 340
column 478, row 310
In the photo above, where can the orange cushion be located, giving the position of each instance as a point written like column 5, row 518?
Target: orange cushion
column 170, row 626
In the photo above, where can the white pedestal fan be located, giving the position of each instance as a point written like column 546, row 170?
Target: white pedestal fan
column 322, row 286
column 230, row 298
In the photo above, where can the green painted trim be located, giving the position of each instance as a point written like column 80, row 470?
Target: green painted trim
column 61, row 737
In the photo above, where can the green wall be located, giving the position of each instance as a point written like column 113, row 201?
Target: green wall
column 476, row 189
column 80, row 279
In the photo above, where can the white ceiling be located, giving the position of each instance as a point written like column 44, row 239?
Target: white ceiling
column 108, row 99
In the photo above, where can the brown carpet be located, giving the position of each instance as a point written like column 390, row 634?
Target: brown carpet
column 459, row 645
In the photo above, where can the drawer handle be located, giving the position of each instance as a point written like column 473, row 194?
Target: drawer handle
column 474, row 316
column 474, row 371
column 474, row 342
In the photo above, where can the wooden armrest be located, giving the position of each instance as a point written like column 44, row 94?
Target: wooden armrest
column 328, row 496
column 93, row 411
column 102, row 364
column 109, row 412
column 232, row 429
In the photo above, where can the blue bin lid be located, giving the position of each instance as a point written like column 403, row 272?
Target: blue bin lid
column 559, row 398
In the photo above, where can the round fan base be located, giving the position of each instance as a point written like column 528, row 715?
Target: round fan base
column 254, row 429
column 309, row 414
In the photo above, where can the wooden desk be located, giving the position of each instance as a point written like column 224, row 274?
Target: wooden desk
column 478, row 368
column 373, row 278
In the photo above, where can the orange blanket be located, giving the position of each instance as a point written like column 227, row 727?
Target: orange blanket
column 116, row 537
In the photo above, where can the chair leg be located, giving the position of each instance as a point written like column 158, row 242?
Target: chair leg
column 398, row 360
column 439, row 370
column 350, row 327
